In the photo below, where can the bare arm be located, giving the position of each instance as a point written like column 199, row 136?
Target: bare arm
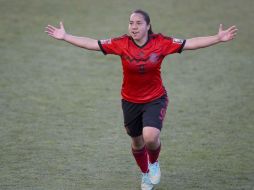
column 202, row 42
column 83, row 42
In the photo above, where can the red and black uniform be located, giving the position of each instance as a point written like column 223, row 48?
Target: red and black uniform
column 142, row 83
column 141, row 65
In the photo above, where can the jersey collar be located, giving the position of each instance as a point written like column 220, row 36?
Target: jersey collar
column 148, row 39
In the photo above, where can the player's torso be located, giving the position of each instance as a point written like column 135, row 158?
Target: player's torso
column 141, row 72
column 143, row 60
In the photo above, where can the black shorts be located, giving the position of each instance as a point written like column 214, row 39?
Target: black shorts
column 137, row 116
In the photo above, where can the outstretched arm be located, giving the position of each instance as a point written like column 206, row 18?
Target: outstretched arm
column 83, row 42
column 202, row 42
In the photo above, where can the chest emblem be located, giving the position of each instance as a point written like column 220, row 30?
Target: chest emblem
column 153, row 58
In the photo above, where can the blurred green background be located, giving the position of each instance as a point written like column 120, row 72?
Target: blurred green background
column 60, row 112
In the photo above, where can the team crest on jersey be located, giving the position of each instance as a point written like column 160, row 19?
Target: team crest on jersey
column 153, row 58
column 177, row 41
column 106, row 41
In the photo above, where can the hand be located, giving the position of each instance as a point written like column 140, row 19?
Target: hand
column 228, row 34
column 57, row 33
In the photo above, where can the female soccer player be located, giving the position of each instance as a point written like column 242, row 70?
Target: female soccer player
column 144, row 98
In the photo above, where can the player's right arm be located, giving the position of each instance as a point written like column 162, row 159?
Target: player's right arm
column 83, row 42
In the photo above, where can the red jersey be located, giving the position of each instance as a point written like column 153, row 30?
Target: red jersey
column 142, row 81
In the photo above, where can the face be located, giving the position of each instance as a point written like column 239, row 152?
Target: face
column 138, row 28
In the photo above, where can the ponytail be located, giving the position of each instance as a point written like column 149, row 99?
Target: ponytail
column 150, row 31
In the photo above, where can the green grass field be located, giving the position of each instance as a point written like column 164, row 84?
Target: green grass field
column 60, row 113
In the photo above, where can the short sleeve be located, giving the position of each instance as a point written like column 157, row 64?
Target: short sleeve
column 112, row 46
column 172, row 45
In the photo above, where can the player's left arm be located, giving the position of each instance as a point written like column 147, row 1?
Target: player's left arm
column 202, row 42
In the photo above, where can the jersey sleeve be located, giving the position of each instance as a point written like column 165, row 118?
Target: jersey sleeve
column 172, row 45
column 112, row 46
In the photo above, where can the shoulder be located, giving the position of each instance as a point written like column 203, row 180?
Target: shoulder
column 124, row 37
column 167, row 39
column 120, row 40
column 160, row 36
column 114, row 39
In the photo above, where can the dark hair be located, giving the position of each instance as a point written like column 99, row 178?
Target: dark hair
column 146, row 18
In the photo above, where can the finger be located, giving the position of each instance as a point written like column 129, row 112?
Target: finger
column 234, row 31
column 50, row 31
column 61, row 24
column 234, row 34
column 220, row 27
column 50, row 34
column 231, row 28
column 51, row 27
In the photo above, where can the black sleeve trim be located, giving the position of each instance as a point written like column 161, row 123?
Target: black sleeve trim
column 103, row 51
column 181, row 48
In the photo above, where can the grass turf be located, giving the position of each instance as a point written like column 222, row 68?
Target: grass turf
column 60, row 114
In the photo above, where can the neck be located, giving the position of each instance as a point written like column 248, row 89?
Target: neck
column 142, row 41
